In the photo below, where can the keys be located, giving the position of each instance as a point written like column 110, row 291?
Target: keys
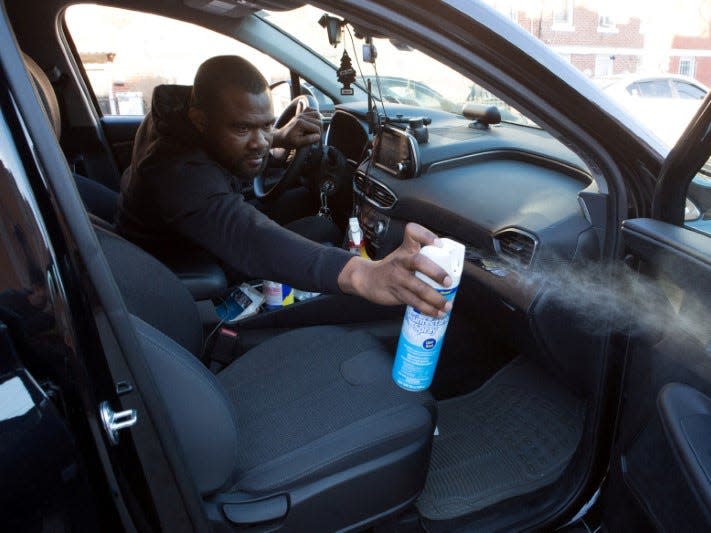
column 324, row 211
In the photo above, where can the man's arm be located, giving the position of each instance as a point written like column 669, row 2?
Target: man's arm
column 303, row 129
column 392, row 280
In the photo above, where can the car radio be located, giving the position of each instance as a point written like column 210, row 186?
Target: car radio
column 395, row 152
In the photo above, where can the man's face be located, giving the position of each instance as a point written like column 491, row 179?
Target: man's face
column 238, row 130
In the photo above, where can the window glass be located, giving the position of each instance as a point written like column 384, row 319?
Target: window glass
column 563, row 13
column 281, row 97
column 617, row 42
column 689, row 91
column 406, row 75
column 686, row 66
column 127, row 53
column 606, row 22
column 654, row 89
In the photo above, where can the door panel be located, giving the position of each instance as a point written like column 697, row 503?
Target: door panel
column 686, row 417
column 658, row 472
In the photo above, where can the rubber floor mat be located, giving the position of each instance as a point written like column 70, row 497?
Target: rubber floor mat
column 513, row 435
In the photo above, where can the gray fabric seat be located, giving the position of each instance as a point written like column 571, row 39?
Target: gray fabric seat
column 306, row 431
column 315, row 401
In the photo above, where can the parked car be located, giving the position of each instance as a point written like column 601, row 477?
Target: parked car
column 664, row 103
column 411, row 92
column 573, row 391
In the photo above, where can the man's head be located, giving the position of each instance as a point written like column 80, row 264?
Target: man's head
column 231, row 107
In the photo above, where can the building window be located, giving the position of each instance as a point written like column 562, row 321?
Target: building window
column 563, row 14
column 606, row 24
column 687, row 66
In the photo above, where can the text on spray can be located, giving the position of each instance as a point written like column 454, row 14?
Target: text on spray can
column 422, row 336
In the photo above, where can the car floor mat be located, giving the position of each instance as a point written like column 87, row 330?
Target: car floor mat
column 513, row 435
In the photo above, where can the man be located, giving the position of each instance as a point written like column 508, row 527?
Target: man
column 182, row 193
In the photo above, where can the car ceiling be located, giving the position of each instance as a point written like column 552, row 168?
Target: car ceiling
column 240, row 8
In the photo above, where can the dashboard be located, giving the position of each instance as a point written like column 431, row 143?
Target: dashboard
column 515, row 196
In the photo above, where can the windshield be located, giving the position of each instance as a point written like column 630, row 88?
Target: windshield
column 651, row 58
column 404, row 75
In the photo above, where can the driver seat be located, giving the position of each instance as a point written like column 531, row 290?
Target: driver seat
column 307, row 431
column 289, row 210
column 202, row 276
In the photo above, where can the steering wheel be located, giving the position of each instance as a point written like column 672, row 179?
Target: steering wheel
column 298, row 157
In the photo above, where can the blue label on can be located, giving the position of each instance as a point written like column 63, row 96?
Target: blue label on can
column 419, row 346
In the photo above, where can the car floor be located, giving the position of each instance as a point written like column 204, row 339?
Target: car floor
column 513, row 435
column 505, row 426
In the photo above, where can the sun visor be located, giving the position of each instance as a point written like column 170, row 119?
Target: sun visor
column 241, row 8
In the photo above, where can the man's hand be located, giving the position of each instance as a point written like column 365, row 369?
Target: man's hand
column 303, row 129
column 392, row 280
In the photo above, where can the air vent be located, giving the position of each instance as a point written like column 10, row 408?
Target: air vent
column 360, row 182
column 375, row 192
column 516, row 245
column 381, row 195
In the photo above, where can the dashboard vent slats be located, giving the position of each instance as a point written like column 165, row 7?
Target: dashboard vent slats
column 375, row 192
column 381, row 195
column 516, row 245
column 360, row 182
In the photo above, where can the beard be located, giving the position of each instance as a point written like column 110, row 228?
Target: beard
column 242, row 170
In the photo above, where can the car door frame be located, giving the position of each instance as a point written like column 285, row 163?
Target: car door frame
column 110, row 343
column 689, row 154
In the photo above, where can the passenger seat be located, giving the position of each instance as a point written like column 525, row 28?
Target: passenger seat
column 305, row 431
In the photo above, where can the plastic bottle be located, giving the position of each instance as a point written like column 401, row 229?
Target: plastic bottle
column 422, row 336
column 356, row 245
column 277, row 295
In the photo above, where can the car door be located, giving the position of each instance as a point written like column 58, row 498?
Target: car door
column 660, row 473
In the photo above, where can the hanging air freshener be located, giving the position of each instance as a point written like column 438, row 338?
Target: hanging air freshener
column 346, row 74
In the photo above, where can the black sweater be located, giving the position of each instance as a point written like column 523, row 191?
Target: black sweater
column 176, row 199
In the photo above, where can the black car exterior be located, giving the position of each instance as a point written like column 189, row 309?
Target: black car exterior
column 45, row 475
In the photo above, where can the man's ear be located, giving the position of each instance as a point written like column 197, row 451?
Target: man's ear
column 198, row 117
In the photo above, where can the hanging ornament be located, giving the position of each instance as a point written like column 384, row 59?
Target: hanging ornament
column 346, row 74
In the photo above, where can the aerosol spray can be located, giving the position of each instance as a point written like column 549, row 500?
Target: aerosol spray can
column 422, row 336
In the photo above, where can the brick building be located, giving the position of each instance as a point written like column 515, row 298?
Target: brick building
column 601, row 44
column 691, row 56
column 596, row 43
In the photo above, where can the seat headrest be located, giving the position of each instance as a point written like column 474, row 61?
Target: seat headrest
column 46, row 93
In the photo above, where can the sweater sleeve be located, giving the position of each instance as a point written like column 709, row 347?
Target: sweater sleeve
column 202, row 207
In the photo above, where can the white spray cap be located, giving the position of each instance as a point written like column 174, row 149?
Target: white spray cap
column 449, row 255
column 355, row 234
